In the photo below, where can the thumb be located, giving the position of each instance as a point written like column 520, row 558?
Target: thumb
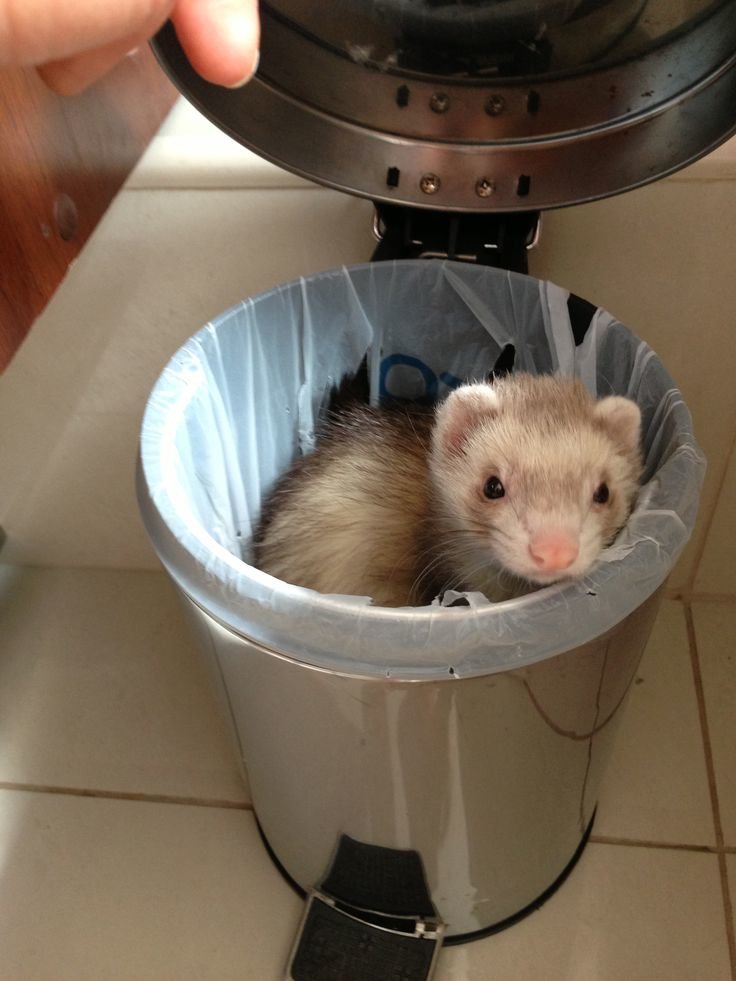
column 220, row 38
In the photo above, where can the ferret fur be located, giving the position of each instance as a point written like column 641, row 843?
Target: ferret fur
column 391, row 502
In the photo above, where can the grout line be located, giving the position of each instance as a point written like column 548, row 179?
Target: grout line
column 708, row 525
column 712, row 785
column 643, row 843
column 725, row 599
column 123, row 795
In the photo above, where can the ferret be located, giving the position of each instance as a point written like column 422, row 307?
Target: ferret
column 503, row 488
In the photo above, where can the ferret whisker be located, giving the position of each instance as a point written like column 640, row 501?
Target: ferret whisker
column 426, row 571
column 478, row 529
column 453, row 550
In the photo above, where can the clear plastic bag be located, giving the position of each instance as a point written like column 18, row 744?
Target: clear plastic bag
column 242, row 397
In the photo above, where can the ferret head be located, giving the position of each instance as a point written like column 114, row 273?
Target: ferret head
column 534, row 476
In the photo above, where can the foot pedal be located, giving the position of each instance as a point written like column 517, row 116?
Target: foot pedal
column 356, row 925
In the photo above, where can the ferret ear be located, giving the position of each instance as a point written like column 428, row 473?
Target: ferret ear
column 460, row 413
column 622, row 420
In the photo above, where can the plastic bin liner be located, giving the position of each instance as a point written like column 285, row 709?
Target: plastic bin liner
column 242, row 396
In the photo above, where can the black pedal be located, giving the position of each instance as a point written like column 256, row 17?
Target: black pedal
column 386, row 929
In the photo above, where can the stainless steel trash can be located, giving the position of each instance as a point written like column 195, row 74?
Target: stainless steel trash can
column 475, row 735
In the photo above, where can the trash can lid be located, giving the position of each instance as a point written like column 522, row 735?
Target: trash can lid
column 480, row 104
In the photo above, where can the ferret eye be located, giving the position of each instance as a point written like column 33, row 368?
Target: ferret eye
column 602, row 494
column 493, row 488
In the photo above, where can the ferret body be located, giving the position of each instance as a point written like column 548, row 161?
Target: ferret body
column 502, row 488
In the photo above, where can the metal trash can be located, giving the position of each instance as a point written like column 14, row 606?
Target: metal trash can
column 474, row 736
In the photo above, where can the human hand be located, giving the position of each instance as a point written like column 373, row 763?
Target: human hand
column 74, row 43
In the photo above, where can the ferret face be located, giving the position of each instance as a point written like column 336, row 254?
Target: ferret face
column 534, row 476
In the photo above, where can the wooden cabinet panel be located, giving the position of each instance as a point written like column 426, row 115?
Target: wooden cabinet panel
column 62, row 160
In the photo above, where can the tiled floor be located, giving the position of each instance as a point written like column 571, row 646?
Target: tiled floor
column 128, row 848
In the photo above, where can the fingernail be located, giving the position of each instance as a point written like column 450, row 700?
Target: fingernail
column 246, row 78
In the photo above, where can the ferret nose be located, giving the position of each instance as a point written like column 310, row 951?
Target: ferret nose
column 553, row 551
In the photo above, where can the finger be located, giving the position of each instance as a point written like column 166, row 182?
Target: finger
column 34, row 32
column 70, row 76
column 220, row 38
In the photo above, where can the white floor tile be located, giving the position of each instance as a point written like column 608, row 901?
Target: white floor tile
column 203, row 252
column 717, row 569
column 101, row 687
column 715, row 629
column 105, row 890
column 675, row 291
column 625, row 913
column 81, row 508
column 659, row 737
column 72, row 400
